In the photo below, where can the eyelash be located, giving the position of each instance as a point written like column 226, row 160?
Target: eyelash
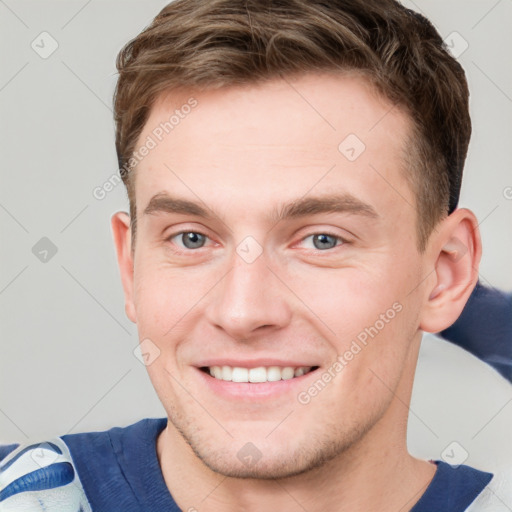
column 328, row 233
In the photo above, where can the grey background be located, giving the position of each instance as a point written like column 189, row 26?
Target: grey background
column 67, row 361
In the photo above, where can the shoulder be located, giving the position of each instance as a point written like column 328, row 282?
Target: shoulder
column 497, row 494
column 75, row 472
column 40, row 476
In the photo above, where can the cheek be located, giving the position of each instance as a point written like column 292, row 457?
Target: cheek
column 166, row 297
column 165, row 300
column 361, row 312
column 345, row 300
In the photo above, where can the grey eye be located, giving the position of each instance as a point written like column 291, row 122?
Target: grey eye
column 192, row 240
column 324, row 241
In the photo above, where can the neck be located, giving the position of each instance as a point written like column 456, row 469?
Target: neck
column 376, row 473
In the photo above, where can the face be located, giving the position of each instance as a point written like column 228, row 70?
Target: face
column 276, row 243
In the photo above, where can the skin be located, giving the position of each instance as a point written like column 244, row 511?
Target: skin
column 241, row 153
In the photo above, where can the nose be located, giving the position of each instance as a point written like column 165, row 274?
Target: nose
column 249, row 298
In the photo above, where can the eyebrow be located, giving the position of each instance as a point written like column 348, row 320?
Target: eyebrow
column 330, row 203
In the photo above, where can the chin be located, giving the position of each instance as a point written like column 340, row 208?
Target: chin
column 264, row 468
column 255, row 450
column 267, row 460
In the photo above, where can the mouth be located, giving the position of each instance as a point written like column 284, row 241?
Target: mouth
column 257, row 374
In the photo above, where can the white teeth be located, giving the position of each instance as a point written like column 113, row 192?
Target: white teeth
column 287, row 373
column 240, row 374
column 259, row 374
column 273, row 373
column 302, row 370
column 227, row 373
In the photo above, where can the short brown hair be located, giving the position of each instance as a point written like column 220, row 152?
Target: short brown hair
column 208, row 44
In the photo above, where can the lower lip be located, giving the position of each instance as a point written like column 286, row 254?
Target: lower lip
column 254, row 390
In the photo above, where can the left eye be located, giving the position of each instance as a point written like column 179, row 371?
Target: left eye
column 190, row 239
column 322, row 241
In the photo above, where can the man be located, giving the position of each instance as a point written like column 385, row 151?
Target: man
column 293, row 172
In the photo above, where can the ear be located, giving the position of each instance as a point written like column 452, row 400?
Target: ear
column 120, row 223
column 456, row 249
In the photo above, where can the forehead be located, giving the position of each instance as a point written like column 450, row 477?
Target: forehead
column 275, row 141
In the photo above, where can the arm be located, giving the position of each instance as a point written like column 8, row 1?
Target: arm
column 40, row 477
column 485, row 328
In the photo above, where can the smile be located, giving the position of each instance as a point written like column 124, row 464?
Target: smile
column 258, row 374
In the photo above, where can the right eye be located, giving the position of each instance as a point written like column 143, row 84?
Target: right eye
column 188, row 239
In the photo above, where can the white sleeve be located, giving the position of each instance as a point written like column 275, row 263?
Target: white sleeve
column 497, row 495
column 41, row 477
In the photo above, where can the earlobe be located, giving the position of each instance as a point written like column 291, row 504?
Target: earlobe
column 456, row 254
column 120, row 223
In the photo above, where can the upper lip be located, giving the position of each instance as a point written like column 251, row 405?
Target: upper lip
column 253, row 363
